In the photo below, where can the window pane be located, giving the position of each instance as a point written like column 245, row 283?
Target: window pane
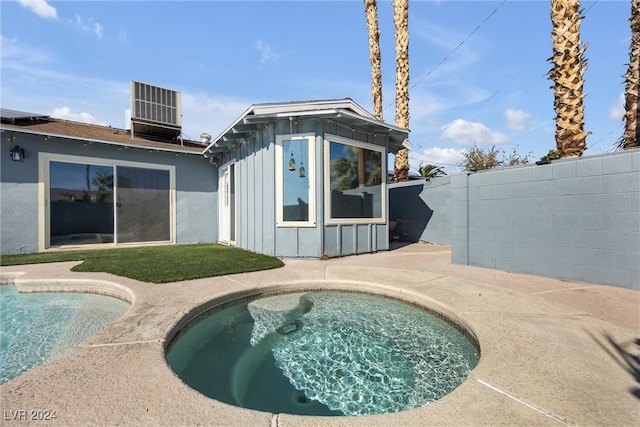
column 81, row 203
column 295, row 180
column 143, row 205
column 356, row 181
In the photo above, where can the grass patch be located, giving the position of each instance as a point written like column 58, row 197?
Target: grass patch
column 157, row 264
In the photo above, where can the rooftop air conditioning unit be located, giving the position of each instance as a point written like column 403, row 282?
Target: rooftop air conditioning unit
column 155, row 111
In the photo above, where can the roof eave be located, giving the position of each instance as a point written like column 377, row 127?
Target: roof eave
column 256, row 115
column 98, row 141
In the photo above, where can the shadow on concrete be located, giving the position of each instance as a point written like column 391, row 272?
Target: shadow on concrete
column 627, row 355
column 397, row 244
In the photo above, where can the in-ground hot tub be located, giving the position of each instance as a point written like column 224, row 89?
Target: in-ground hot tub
column 322, row 353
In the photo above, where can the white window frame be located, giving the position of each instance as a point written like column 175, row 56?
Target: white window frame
column 310, row 172
column 44, row 195
column 328, row 138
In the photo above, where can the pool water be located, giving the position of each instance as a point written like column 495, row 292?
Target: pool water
column 324, row 353
column 36, row 327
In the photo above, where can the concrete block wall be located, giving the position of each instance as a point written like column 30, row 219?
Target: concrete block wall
column 574, row 219
column 423, row 208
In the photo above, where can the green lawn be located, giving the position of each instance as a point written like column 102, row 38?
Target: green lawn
column 157, row 264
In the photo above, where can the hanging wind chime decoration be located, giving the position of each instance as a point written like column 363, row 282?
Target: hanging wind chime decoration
column 292, row 163
column 292, row 166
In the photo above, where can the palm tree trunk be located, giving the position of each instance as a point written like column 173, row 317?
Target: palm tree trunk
column 371, row 13
column 631, row 137
column 567, row 74
column 401, row 21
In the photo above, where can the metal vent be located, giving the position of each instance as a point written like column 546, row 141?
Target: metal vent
column 155, row 104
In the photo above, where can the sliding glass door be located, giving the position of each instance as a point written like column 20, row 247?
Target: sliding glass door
column 143, row 207
column 92, row 203
column 81, row 203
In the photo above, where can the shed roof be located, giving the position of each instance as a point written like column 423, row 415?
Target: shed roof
column 345, row 111
column 38, row 124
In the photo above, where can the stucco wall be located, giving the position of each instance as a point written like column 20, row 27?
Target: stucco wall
column 196, row 186
column 574, row 219
column 19, row 199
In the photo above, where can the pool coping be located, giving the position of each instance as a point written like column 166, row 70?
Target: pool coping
column 543, row 360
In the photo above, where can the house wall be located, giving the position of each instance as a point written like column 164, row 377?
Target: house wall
column 574, row 219
column 18, row 200
column 256, row 195
column 197, row 199
column 196, row 189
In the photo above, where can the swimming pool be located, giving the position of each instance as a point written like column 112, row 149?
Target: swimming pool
column 324, row 353
column 36, row 327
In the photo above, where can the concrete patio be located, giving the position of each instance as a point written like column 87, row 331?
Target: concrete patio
column 552, row 352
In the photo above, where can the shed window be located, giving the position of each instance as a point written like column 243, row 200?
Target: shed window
column 295, row 180
column 355, row 188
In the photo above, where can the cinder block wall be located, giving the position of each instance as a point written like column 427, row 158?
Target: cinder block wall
column 423, row 209
column 574, row 219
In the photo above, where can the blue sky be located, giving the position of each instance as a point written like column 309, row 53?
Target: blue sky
column 477, row 68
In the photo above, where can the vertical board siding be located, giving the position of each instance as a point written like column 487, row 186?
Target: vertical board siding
column 257, row 230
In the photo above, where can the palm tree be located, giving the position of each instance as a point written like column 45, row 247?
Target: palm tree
column 401, row 21
column 356, row 168
column 567, row 74
column 431, row 171
column 631, row 138
column 371, row 13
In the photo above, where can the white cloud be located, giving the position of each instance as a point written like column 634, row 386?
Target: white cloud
column 443, row 40
column 205, row 113
column 424, row 108
column 84, row 98
column 266, row 53
column 4, row 39
column 66, row 114
column 427, row 105
column 97, row 28
column 517, row 119
column 442, row 156
column 40, row 8
column 92, row 26
column 468, row 133
column 617, row 110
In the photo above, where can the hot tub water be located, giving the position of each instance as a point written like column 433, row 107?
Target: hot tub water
column 324, row 353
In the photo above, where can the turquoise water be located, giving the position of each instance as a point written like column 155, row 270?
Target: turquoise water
column 324, row 353
column 36, row 327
